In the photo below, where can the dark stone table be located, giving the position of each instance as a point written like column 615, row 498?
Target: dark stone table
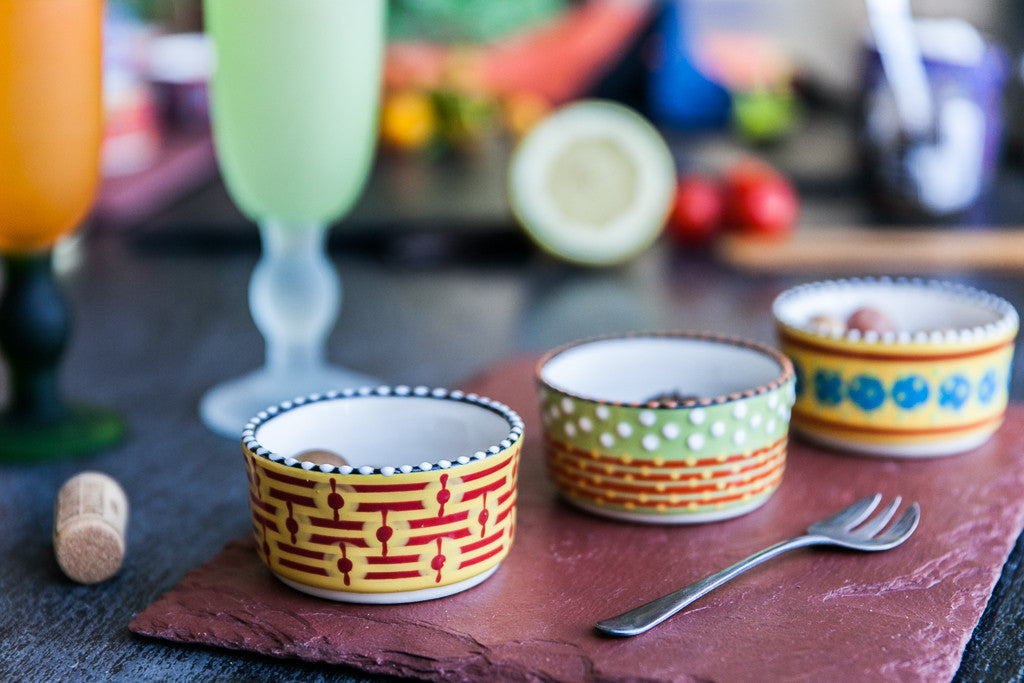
column 161, row 314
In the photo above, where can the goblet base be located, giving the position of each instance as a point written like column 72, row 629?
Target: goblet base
column 227, row 407
column 82, row 430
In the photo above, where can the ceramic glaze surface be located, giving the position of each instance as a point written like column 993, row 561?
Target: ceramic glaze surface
column 386, row 534
column 390, row 430
column 939, row 385
column 635, row 369
column 712, row 456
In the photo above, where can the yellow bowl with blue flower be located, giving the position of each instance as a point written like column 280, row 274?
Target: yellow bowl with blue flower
column 897, row 367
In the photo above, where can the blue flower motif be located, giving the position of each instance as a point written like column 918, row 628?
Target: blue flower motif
column 953, row 392
column 867, row 392
column 910, row 392
column 801, row 378
column 987, row 387
column 828, row 387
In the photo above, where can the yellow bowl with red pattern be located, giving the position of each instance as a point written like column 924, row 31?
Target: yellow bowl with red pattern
column 423, row 504
column 666, row 428
column 936, row 384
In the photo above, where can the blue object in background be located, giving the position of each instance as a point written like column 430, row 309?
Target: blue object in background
column 678, row 93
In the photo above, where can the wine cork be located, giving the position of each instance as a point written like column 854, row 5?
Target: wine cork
column 90, row 519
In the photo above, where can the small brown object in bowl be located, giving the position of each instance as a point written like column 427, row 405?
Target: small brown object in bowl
column 868, row 319
column 670, row 398
column 827, row 324
column 320, row 456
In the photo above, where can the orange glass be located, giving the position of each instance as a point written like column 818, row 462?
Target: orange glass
column 51, row 129
column 51, row 118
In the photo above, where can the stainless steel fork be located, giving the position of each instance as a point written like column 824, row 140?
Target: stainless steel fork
column 846, row 528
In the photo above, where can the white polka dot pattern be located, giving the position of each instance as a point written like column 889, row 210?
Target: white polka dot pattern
column 709, row 461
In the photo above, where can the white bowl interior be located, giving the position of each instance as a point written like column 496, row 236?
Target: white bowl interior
column 638, row 369
column 912, row 306
column 381, row 431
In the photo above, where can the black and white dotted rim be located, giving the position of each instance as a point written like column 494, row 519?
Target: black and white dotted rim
column 786, row 371
column 251, row 445
column 1008, row 318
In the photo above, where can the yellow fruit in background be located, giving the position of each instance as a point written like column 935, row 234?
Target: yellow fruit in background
column 408, row 120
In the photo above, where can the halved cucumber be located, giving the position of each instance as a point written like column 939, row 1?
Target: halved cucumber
column 592, row 183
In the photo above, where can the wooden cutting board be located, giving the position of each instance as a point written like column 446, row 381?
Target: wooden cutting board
column 872, row 251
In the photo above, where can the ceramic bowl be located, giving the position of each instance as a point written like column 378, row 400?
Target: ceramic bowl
column 424, row 507
column 666, row 428
column 936, row 383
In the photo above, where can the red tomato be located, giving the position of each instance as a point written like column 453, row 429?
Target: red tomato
column 760, row 200
column 697, row 210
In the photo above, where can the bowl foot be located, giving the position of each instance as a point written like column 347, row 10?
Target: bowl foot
column 392, row 598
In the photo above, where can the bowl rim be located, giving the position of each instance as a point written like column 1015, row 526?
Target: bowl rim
column 1008, row 319
column 514, row 435
column 787, row 373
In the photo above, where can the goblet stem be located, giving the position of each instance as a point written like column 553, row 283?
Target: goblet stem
column 294, row 295
column 34, row 325
column 34, row 330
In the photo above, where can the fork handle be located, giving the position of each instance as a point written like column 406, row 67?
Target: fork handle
column 644, row 617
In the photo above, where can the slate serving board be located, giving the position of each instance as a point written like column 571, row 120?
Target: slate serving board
column 812, row 614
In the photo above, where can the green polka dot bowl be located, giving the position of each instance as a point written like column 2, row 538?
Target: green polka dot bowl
column 666, row 428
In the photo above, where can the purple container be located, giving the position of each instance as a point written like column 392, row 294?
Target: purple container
column 941, row 175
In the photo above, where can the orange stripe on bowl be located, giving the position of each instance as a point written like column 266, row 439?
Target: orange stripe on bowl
column 640, row 461
column 659, row 475
column 914, row 356
column 598, row 491
column 567, row 474
column 585, row 494
column 807, row 420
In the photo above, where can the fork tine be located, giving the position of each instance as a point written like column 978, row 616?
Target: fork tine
column 903, row 527
column 854, row 514
column 878, row 522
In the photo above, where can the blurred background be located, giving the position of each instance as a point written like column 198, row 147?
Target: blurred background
column 795, row 83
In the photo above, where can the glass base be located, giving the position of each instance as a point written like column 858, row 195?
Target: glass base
column 82, row 431
column 229, row 406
